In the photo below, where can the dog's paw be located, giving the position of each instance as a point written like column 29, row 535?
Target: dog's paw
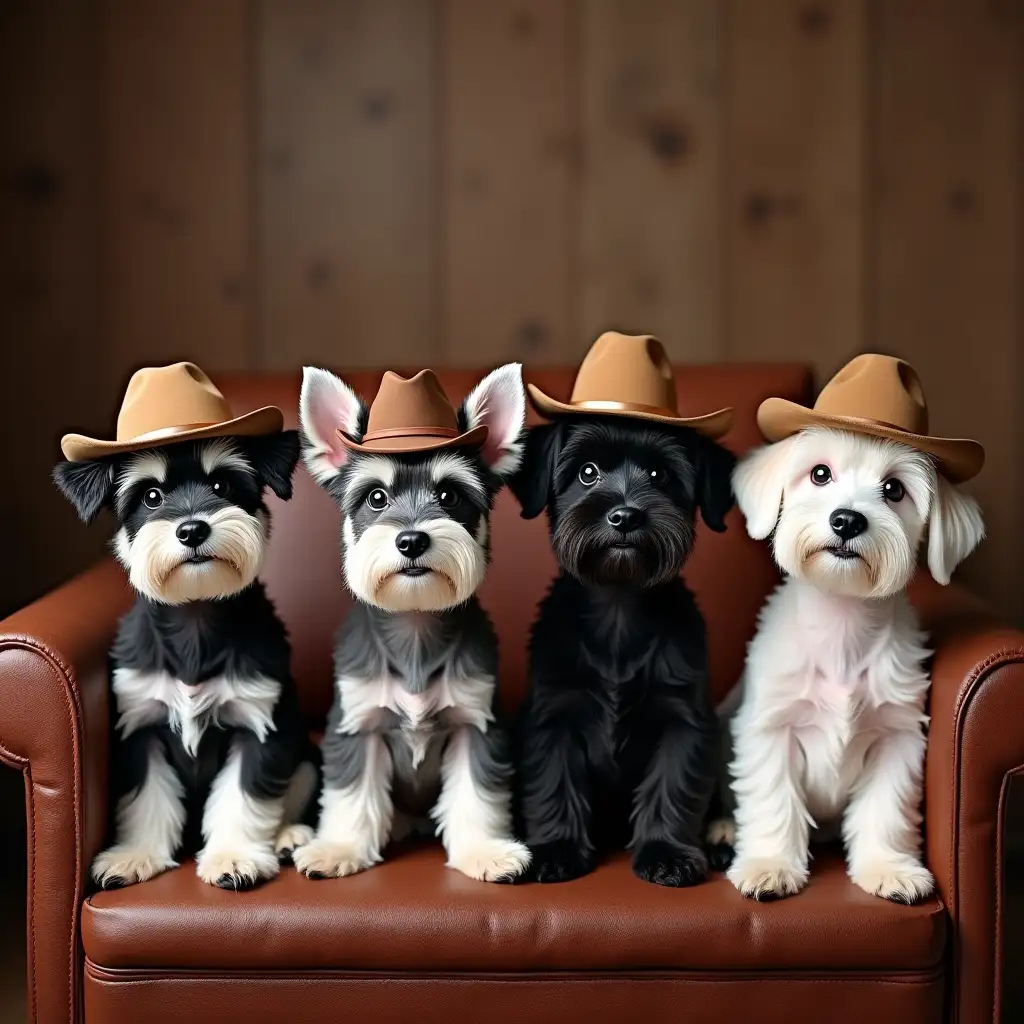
column 289, row 839
column 666, row 864
column 491, row 860
column 321, row 859
column 559, row 861
column 767, row 878
column 902, row 881
column 238, row 869
column 720, row 856
column 721, row 842
column 125, row 865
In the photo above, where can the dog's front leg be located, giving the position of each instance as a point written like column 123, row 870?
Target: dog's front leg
column 473, row 812
column 882, row 823
column 356, row 809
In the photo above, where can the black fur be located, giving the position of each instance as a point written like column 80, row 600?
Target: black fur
column 618, row 737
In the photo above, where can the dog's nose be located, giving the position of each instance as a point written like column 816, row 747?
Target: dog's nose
column 625, row 518
column 846, row 523
column 412, row 543
column 193, row 533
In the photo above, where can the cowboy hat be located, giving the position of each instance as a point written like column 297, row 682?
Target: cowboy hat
column 163, row 404
column 880, row 396
column 412, row 415
column 628, row 375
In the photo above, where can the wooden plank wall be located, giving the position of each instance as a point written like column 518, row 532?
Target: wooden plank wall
column 262, row 183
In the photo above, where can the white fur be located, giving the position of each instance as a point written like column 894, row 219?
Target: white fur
column 220, row 453
column 954, row 530
column 371, row 471
column 499, row 403
column 831, row 729
column 451, row 466
column 326, row 405
column 144, row 466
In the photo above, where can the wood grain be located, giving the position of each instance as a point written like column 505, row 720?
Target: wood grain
column 347, row 232
column 796, row 85
column 945, row 259
column 508, row 72
column 650, row 223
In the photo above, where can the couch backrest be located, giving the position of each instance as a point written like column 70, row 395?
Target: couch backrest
column 730, row 573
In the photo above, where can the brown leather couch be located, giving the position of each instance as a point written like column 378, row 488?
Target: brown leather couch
column 410, row 940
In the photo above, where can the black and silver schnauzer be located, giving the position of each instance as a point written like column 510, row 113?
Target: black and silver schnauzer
column 412, row 733
column 209, row 746
column 617, row 736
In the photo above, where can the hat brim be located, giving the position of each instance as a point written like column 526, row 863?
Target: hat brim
column 412, row 443
column 958, row 458
column 712, row 425
column 268, row 420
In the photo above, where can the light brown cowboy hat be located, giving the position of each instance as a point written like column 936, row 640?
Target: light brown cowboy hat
column 628, row 375
column 412, row 415
column 879, row 396
column 171, row 403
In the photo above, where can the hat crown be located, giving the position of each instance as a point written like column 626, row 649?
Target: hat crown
column 161, row 398
column 413, row 405
column 627, row 369
column 879, row 388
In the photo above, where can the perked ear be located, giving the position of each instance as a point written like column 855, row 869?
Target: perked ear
column 498, row 402
column 532, row 483
column 87, row 485
column 758, row 481
column 274, row 457
column 327, row 405
column 955, row 528
column 714, row 487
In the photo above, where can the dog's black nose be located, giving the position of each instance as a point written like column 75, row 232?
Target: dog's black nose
column 193, row 533
column 846, row 523
column 412, row 543
column 625, row 518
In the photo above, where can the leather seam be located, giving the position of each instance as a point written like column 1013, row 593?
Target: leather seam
column 1004, row 792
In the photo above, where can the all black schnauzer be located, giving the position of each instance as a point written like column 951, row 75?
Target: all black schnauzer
column 617, row 736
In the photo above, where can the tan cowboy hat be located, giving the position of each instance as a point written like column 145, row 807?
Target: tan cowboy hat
column 628, row 375
column 412, row 415
column 171, row 403
column 879, row 396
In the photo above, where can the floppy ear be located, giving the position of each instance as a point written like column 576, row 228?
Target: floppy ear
column 758, row 483
column 714, row 491
column 955, row 528
column 327, row 405
column 87, row 485
column 498, row 402
column 274, row 457
column 533, row 481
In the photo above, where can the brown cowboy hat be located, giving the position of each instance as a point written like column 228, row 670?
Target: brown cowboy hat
column 879, row 396
column 628, row 375
column 412, row 415
column 171, row 403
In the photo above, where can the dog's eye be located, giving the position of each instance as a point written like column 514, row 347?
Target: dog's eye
column 221, row 488
column 821, row 475
column 447, row 497
column 377, row 499
column 893, row 490
column 658, row 477
column 153, row 498
column 589, row 475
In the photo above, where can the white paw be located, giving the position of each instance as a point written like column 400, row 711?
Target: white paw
column 290, row 838
column 321, row 859
column 722, row 830
column 765, row 878
column 491, row 860
column 903, row 881
column 126, row 865
column 239, row 868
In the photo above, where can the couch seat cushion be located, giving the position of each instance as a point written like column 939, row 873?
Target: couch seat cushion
column 413, row 914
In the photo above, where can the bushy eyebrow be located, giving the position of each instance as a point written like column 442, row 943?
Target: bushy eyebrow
column 141, row 468
column 221, row 453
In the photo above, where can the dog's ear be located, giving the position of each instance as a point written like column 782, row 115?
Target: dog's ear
column 498, row 402
column 955, row 528
column 714, row 489
column 533, row 482
column 327, row 405
column 758, row 481
column 87, row 485
column 274, row 456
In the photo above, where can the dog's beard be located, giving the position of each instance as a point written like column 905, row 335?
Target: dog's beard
column 158, row 565
column 373, row 565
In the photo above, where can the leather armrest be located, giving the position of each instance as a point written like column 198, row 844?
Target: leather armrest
column 975, row 747
column 54, row 728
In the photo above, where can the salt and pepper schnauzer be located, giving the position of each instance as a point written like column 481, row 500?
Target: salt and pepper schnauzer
column 412, row 732
column 830, row 727
column 617, row 736
column 209, row 748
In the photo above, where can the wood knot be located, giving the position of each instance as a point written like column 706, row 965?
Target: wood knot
column 524, row 25
column 36, row 183
column 319, row 274
column 961, row 198
column 376, row 106
column 668, row 141
column 531, row 335
column 815, row 19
